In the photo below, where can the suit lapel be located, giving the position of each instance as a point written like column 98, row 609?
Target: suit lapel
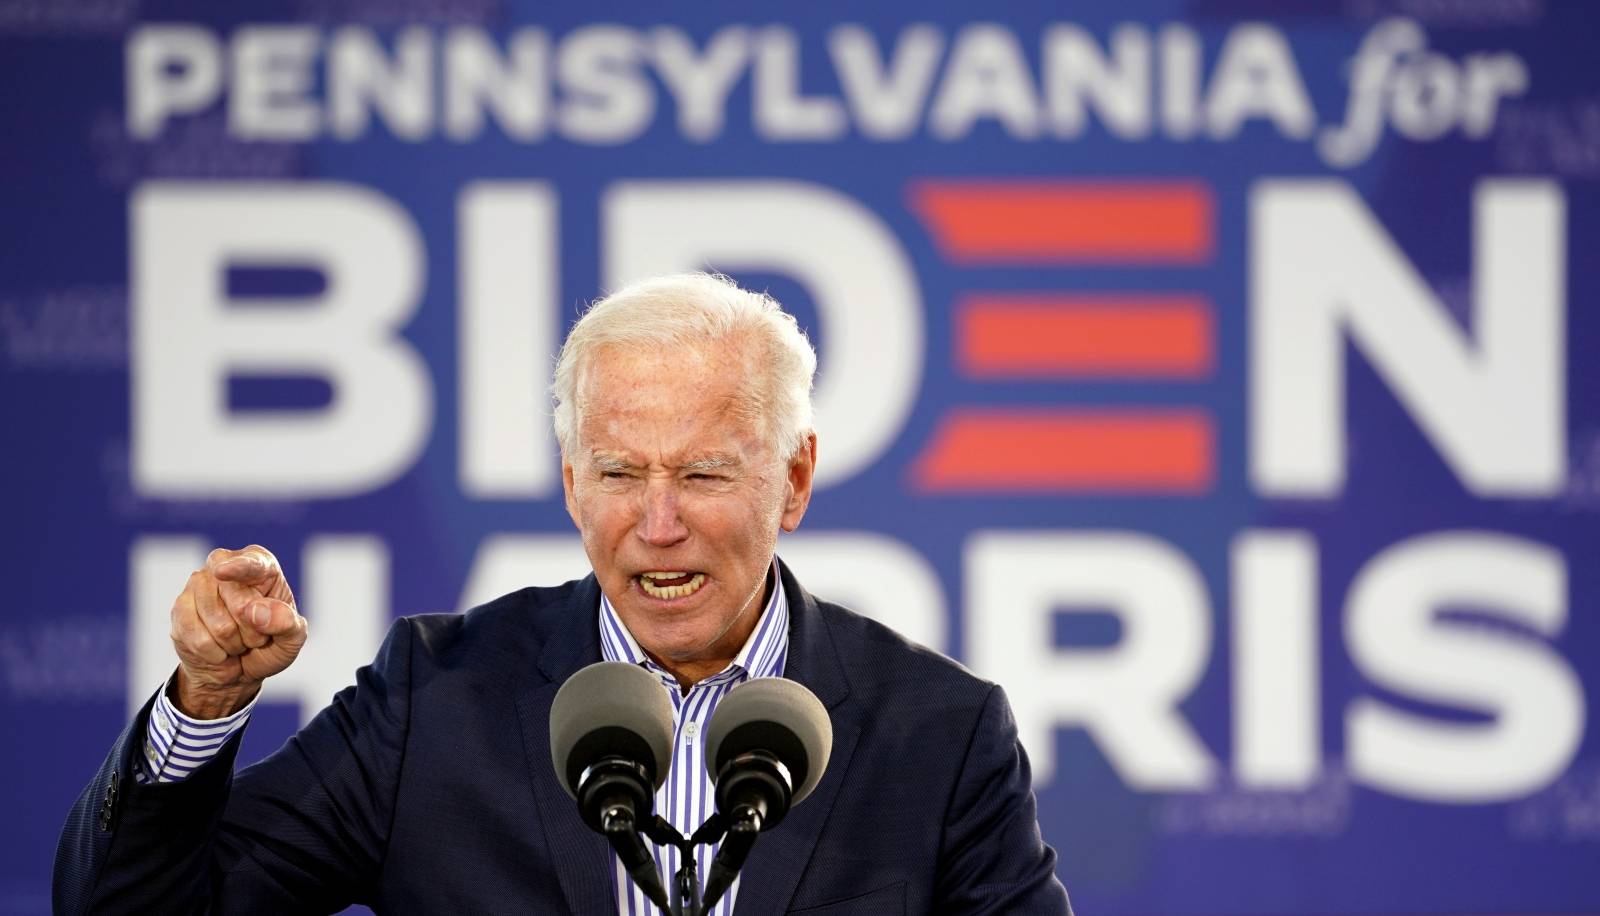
column 581, row 856
column 768, row 881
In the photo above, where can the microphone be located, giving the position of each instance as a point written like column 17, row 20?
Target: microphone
column 611, row 745
column 767, row 746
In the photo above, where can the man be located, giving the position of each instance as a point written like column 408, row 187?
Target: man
column 684, row 418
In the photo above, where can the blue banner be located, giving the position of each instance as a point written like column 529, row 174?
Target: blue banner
column 1216, row 376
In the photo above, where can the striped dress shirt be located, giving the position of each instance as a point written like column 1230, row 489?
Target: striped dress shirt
column 686, row 799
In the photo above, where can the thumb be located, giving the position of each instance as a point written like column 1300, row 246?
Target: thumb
column 278, row 619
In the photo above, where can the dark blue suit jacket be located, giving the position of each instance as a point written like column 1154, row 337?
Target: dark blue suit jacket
column 427, row 788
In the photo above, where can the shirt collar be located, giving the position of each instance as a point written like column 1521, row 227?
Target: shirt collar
column 762, row 655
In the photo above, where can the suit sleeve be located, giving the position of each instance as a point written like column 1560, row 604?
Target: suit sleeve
column 992, row 858
column 304, row 830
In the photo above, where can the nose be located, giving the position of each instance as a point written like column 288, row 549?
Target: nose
column 661, row 524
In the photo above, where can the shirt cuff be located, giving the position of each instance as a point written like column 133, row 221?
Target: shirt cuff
column 175, row 745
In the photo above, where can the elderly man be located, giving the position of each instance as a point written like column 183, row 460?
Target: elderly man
column 684, row 417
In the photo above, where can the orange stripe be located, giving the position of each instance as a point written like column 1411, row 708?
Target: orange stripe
column 1070, row 451
column 1073, row 221
column 1137, row 336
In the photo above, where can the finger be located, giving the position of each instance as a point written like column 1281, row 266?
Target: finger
column 254, row 565
column 222, row 626
column 279, row 654
column 222, row 556
column 189, row 635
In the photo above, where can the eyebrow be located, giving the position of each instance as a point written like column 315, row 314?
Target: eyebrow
column 711, row 463
column 610, row 462
column 614, row 462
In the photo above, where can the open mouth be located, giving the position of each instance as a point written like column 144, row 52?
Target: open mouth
column 670, row 584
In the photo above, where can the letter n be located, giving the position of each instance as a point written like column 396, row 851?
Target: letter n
column 1490, row 397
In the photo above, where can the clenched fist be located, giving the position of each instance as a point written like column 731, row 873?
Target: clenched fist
column 234, row 626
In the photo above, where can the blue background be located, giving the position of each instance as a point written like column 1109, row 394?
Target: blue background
column 67, row 166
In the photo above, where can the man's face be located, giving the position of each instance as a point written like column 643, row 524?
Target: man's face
column 668, row 475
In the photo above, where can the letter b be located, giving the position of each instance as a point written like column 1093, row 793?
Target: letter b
column 189, row 337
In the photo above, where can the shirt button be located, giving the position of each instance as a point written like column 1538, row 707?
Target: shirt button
column 691, row 730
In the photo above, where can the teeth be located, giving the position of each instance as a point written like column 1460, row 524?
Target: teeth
column 670, row 591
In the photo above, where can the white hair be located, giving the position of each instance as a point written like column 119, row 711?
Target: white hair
column 698, row 310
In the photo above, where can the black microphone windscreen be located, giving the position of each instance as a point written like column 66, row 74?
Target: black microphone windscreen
column 778, row 716
column 610, row 709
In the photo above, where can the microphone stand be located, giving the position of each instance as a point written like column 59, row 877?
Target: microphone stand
column 686, row 883
column 737, row 833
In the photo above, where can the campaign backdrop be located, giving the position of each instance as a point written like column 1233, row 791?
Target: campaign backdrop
column 1221, row 378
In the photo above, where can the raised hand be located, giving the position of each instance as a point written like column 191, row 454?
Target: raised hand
column 234, row 626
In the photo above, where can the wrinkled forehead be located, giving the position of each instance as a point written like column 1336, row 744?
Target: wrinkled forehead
column 666, row 367
column 699, row 388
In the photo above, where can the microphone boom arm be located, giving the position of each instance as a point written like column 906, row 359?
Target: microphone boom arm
column 623, row 834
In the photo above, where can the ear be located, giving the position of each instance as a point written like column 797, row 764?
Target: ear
column 566, row 487
column 802, row 470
